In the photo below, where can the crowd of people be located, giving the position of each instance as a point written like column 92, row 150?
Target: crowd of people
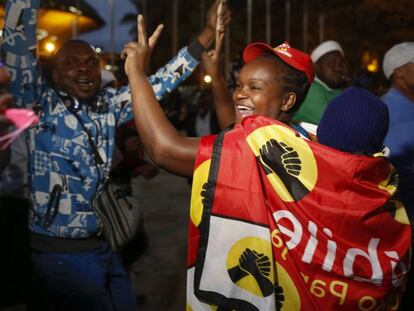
column 302, row 184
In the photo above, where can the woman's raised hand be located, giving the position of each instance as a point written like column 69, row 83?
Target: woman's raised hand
column 137, row 54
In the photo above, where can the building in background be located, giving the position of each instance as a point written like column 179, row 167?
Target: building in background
column 60, row 21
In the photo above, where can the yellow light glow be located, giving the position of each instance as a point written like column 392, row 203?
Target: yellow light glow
column 50, row 47
column 373, row 66
column 207, row 79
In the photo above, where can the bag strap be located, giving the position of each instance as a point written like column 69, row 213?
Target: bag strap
column 96, row 156
column 67, row 101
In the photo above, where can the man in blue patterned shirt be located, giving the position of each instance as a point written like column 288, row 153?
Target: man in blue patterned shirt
column 70, row 154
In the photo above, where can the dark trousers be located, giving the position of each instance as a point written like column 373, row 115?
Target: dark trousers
column 15, row 269
column 88, row 280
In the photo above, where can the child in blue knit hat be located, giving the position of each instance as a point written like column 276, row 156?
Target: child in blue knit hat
column 355, row 121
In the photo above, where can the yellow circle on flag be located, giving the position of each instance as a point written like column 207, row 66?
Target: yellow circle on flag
column 261, row 249
column 283, row 287
column 200, row 177
column 305, row 175
column 290, row 293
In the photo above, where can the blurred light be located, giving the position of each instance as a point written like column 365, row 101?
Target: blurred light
column 75, row 10
column 370, row 62
column 41, row 34
column 98, row 50
column 207, row 79
column 111, row 68
column 50, row 47
column 373, row 65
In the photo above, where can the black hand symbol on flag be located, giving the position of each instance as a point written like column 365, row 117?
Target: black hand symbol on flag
column 284, row 161
column 256, row 265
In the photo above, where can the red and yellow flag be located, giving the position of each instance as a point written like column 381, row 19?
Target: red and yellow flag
column 282, row 223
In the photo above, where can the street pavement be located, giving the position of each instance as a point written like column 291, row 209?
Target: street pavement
column 159, row 274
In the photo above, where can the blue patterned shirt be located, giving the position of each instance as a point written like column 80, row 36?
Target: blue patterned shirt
column 63, row 174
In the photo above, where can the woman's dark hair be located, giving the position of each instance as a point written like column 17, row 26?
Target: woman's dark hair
column 292, row 80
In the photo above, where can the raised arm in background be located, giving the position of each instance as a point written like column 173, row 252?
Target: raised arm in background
column 188, row 57
column 223, row 102
column 207, row 35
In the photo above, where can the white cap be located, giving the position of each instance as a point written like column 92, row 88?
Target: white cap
column 398, row 56
column 325, row 48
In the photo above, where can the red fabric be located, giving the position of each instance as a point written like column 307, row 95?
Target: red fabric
column 357, row 226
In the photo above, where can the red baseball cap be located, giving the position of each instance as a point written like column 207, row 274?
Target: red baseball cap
column 293, row 57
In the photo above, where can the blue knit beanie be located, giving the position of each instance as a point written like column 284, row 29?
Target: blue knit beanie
column 355, row 121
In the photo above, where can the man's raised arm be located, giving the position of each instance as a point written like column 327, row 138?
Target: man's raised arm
column 19, row 49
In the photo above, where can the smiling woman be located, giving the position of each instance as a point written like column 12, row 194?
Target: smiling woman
column 267, row 86
column 263, row 89
column 259, row 90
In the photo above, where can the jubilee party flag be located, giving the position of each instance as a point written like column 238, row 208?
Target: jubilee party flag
column 282, row 223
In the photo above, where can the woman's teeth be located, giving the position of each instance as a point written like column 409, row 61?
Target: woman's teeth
column 244, row 108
